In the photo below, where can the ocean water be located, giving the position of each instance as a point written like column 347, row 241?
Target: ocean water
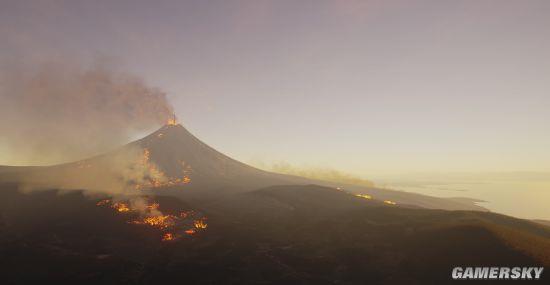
column 519, row 195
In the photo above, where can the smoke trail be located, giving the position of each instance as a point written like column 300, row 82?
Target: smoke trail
column 57, row 112
column 319, row 173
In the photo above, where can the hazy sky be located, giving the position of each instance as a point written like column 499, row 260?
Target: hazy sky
column 363, row 86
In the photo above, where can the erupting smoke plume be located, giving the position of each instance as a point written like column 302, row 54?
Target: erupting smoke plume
column 59, row 112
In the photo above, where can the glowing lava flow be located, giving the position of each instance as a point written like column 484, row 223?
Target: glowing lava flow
column 364, row 196
column 172, row 121
column 168, row 237
column 201, row 223
column 155, row 178
column 161, row 222
column 103, row 202
column 121, row 207
column 172, row 227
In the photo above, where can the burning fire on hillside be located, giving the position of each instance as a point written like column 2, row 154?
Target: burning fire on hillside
column 369, row 197
column 172, row 226
column 200, row 223
column 365, row 196
column 121, row 207
column 168, row 237
column 157, row 178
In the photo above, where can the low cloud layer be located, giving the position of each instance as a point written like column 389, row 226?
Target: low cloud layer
column 59, row 112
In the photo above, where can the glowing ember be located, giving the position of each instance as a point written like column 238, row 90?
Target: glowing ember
column 153, row 206
column 364, row 196
column 155, row 178
column 390, row 202
column 145, row 158
column 121, row 207
column 103, row 202
column 161, row 222
column 172, row 121
column 172, row 227
column 168, row 237
column 200, row 224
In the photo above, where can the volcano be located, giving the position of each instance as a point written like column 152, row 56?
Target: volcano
column 209, row 219
column 174, row 161
column 175, row 150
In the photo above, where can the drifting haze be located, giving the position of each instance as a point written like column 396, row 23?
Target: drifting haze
column 319, row 173
column 57, row 112
column 368, row 87
column 117, row 170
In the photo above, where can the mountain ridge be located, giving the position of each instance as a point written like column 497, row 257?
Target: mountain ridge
column 184, row 163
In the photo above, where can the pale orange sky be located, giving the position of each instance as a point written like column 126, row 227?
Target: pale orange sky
column 368, row 87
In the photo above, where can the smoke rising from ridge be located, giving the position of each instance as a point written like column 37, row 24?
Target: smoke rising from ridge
column 113, row 176
column 319, row 173
column 117, row 171
column 58, row 112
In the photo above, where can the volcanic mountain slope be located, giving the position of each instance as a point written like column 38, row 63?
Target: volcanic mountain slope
column 276, row 235
column 262, row 227
column 176, row 162
column 173, row 148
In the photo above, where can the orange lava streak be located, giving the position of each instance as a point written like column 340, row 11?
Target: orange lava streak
column 121, row 207
column 103, row 202
column 161, row 222
column 173, row 227
column 200, row 224
column 364, row 196
column 155, row 178
column 168, row 237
